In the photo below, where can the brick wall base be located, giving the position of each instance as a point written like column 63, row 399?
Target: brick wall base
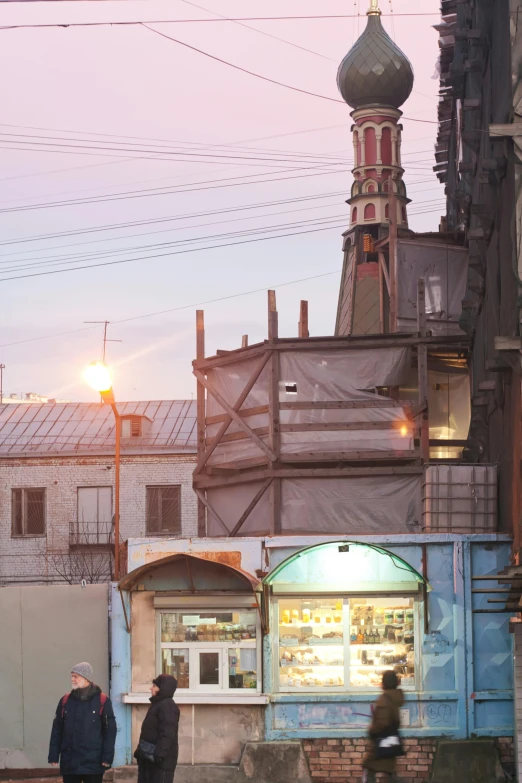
column 341, row 759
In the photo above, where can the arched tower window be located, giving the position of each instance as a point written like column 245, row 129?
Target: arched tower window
column 386, row 147
column 370, row 140
column 354, row 215
column 369, row 212
column 387, row 211
column 404, row 215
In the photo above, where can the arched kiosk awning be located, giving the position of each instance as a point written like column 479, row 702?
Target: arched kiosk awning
column 345, row 567
column 189, row 573
column 184, row 574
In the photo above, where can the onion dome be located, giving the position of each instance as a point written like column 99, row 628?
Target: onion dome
column 375, row 71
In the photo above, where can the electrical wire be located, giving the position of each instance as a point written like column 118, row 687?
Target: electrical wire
column 179, row 252
column 144, row 193
column 106, row 253
column 129, row 23
column 260, row 76
column 257, row 30
column 53, row 259
column 172, row 309
column 188, row 216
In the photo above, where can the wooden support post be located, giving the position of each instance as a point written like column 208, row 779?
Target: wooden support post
column 422, row 369
column 393, row 255
column 228, row 419
column 381, row 298
column 274, row 415
column 253, row 503
column 273, row 331
column 244, row 341
column 303, row 319
column 202, row 497
column 235, row 416
column 200, row 413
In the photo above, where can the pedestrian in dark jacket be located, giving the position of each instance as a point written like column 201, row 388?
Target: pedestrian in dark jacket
column 157, row 751
column 386, row 722
column 84, row 730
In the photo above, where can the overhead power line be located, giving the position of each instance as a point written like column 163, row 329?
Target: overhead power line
column 172, row 309
column 185, row 251
column 191, row 21
column 258, row 75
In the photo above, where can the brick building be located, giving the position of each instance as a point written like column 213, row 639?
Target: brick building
column 57, row 485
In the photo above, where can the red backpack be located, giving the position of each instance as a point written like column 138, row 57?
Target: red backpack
column 103, row 699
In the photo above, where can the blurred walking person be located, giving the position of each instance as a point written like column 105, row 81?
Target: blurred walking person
column 386, row 745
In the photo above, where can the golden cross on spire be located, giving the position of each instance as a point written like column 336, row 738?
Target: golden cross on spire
column 374, row 8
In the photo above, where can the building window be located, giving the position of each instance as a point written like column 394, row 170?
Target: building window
column 386, row 147
column 369, row 212
column 370, row 139
column 132, row 427
column 354, row 215
column 215, row 650
column 345, row 643
column 164, row 509
column 94, row 520
column 28, row 512
column 387, row 211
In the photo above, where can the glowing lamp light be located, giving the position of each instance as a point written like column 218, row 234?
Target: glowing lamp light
column 404, row 430
column 98, row 376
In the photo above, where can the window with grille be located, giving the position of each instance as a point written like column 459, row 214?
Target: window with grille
column 28, row 512
column 164, row 509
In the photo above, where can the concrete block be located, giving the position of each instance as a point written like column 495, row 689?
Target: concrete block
column 274, row 762
column 475, row 761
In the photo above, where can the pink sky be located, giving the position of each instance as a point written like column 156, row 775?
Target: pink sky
column 127, row 81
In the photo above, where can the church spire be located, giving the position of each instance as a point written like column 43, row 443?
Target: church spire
column 374, row 9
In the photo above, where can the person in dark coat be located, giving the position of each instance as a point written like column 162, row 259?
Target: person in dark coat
column 84, row 730
column 386, row 718
column 159, row 734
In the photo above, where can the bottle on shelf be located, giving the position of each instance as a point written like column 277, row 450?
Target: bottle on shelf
column 366, row 638
column 353, row 636
column 377, row 636
column 360, row 637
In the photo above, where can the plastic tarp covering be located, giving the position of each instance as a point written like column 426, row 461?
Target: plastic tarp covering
column 369, row 504
column 337, row 375
column 329, row 376
column 358, row 505
column 445, row 268
column 450, row 405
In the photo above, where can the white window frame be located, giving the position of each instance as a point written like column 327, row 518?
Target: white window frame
column 347, row 688
column 220, row 647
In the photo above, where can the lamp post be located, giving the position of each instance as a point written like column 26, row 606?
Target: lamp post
column 98, row 376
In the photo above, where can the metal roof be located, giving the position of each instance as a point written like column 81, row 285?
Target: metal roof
column 82, row 427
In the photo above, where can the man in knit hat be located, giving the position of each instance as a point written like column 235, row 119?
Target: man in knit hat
column 84, row 730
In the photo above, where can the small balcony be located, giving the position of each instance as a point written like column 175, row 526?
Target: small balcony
column 91, row 535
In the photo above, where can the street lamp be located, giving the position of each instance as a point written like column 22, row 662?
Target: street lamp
column 98, row 376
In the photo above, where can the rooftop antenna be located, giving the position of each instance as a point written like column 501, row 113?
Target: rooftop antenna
column 374, row 9
column 105, row 338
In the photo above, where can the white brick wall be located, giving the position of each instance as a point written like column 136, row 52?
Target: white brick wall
column 30, row 560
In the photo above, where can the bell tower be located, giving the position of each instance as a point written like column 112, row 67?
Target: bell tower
column 375, row 78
